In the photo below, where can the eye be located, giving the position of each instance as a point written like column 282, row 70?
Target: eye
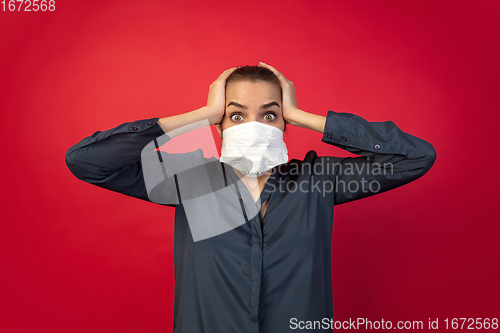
column 270, row 116
column 236, row 117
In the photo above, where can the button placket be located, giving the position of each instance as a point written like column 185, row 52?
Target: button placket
column 255, row 273
column 256, row 252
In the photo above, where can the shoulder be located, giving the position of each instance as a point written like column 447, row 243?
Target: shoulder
column 299, row 166
column 310, row 156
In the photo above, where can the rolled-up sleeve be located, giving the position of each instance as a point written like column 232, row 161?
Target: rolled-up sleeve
column 390, row 157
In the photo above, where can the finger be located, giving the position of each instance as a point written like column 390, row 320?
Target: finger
column 280, row 76
column 263, row 64
column 227, row 72
column 270, row 67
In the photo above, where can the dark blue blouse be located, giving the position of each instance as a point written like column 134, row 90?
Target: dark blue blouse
column 233, row 271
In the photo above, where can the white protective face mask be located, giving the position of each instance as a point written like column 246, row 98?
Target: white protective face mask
column 253, row 148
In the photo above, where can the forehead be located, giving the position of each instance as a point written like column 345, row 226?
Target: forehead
column 251, row 90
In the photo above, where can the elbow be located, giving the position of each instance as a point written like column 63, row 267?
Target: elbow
column 72, row 166
column 68, row 157
column 421, row 165
column 79, row 168
column 430, row 157
column 428, row 160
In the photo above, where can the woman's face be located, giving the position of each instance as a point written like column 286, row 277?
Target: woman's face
column 252, row 101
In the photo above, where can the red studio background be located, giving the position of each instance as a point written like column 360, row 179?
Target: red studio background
column 78, row 258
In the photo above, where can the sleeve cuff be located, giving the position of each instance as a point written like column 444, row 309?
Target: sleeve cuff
column 338, row 128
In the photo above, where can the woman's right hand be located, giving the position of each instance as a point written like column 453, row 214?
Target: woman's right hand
column 216, row 103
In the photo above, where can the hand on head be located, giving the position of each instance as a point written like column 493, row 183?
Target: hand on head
column 216, row 102
column 289, row 95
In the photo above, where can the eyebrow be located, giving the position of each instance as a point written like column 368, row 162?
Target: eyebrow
column 263, row 106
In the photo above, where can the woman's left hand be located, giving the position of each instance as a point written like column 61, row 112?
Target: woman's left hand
column 289, row 97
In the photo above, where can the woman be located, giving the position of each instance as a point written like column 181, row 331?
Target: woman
column 252, row 229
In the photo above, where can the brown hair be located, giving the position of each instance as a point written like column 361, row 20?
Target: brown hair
column 253, row 74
